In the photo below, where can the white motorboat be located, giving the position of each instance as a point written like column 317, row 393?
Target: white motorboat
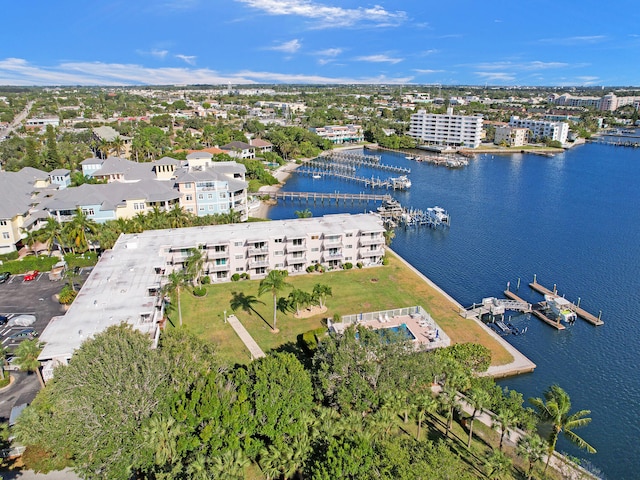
column 560, row 308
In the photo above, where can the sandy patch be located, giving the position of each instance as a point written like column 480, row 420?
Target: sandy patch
column 310, row 311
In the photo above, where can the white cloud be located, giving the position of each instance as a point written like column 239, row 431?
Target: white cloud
column 576, row 40
column 329, row 52
column 427, row 71
column 496, row 76
column 534, row 65
column 291, row 46
column 190, row 59
column 329, row 16
column 161, row 54
column 379, row 59
column 16, row 71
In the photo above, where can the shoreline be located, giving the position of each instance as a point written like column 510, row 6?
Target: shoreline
column 520, row 364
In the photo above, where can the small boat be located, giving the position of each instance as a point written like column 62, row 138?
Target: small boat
column 401, row 183
column 438, row 215
column 409, row 157
column 317, row 176
column 561, row 308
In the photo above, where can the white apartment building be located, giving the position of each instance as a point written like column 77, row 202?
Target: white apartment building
column 340, row 133
column 512, row 136
column 542, row 129
column 125, row 284
column 447, row 130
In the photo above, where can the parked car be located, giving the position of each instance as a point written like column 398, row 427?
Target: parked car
column 23, row 334
column 22, row 321
column 32, row 275
column 4, row 276
column 3, row 320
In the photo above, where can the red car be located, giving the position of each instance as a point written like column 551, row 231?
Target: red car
column 32, row 275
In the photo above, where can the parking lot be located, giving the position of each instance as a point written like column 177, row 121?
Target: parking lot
column 36, row 297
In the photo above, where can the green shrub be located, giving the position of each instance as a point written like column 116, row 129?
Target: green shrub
column 67, row 295
column 359, row 265
column 199, row 291
column 311, row 268
column 9, row 256
column 347, row 265
column 87, row 259
column 244, row 276
column 235, row 277
column 385, row 261
column 40, row 263
column 205, row 280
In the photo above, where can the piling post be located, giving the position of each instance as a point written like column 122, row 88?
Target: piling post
column 578, row 305
column 555, row 289
column 534, row 278
column 600, row 315
column 518, row 286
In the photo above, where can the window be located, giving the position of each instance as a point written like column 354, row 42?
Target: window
column 349, row 246
column 297, row 241
column 89, row 211
column 3, row 223
column 188, row 185
column 200, row 196
column 279, row 253
column 210, row 207
column 315, row 237
column 278, row 240
column 279, row 265
column 201, row 209
column 221, row 261
column 316, row 249
column 188, row 198
column 223, row 195
column 5, row 235
column 209, row 196
column 261, row 270
column 348, row 235
column 239, row 269
column 238, row 244
column 239, row 257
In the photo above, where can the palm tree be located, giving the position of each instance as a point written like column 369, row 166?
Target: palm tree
column 504, row 420
column 117, row 143
column 78, row 229
column 230, row 465
column 478, row 398
column 27, row 355
column 162, row 434
column 193, row 264
column 554, row 410
column 321, row 292
column 104, row 147
column 306, row 213
column 30, row 238
column 198, row 468
column 389, row 235
column 425, row 404
column 497, row 464
column 299, row 298
column 274, row 283
column 448, row 403
column 533, row 449
column 178, row 217
column 51, row 233
column 176, row 281
column 3, row 359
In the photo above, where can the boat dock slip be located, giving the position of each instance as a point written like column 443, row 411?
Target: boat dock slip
column 535, row 310
column 337, row 196
column 592, row 319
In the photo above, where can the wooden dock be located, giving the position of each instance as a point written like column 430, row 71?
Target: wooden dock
column 322, row 197
column 592, row 319
column 535, row 311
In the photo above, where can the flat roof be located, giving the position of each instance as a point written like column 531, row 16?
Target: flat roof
column 117, row 289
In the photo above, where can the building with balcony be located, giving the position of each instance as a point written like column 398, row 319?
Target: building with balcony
column 446, row 130
column 125, row 284
column 511, row 136
column 340, row 133
column 541, row 129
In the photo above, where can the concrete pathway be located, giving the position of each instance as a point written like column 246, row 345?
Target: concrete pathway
column 254, row 348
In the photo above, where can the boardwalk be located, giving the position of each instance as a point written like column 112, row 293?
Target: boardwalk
column 250, row 343
column 337, row 196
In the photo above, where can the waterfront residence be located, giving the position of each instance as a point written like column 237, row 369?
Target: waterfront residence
column 239, row 150
column 118, row 144
column 126, row 283
column 541, row 129
column 446, row 130
column 511, row 136
column 338, row 134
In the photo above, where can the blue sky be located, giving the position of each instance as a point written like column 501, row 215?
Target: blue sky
column 135, row 42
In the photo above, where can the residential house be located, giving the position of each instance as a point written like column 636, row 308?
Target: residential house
column 239, row 150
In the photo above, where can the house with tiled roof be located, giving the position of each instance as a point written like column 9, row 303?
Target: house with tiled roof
column 261, row 145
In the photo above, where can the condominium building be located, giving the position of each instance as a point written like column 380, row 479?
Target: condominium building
column 542, row 129
column 340, row 133
column 125, row 284
column 511, row 136
column 446, row 130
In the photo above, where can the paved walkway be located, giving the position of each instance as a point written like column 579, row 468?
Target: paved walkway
column 254, row 348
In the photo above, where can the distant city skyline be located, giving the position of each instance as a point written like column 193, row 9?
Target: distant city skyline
column 241, row 42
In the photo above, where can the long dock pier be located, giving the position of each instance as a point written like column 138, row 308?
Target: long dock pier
column 354, row 156
column 536, row 310
column 369, row 182
column 352, row 162
column 322, row 197
column 592, row 319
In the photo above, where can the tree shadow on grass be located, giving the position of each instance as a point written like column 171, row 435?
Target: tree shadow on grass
column 241, row 301
column 296, row 349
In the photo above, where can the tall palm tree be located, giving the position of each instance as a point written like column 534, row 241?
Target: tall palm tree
column 78, row 230
column 27, row 355
column 554, row 410
column 504, row 420
column 425, row 404
column 274, row 282
column 198, row 468
column 118, row 144
column 30, row 238
column 193, row 264
column 178, row 217
column 533, row 449
column 321, row 292
column 478, row 398
column 162, row 434
column 51, row 233
column 231, row 465
column 448, row 404
column 176, row 281
column 299, row 298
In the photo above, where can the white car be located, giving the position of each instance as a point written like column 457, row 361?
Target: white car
column 22, row 321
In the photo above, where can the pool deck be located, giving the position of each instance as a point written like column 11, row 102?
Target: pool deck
column 426, row 335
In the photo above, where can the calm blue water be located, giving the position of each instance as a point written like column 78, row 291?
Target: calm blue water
column 574, row 220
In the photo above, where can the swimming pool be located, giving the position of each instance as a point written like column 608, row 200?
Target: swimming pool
column 401, row 332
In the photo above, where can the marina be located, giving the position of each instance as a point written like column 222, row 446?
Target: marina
column 393, row 215
column 396, row 183
column 329, row 197
column 553, row 294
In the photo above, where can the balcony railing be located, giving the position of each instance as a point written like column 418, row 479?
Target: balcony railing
column 219, row 254
column 258, row 251
column 258, row 263
column 371, row 253
column 371, row 240
column 295, row 248
column 332, row 255
column 219, row 268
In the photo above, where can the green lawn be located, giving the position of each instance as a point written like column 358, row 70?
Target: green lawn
column 368, row 289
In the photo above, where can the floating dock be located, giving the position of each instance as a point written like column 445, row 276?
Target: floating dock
column 322, row 197
column 592, row 319
column 536, row 310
